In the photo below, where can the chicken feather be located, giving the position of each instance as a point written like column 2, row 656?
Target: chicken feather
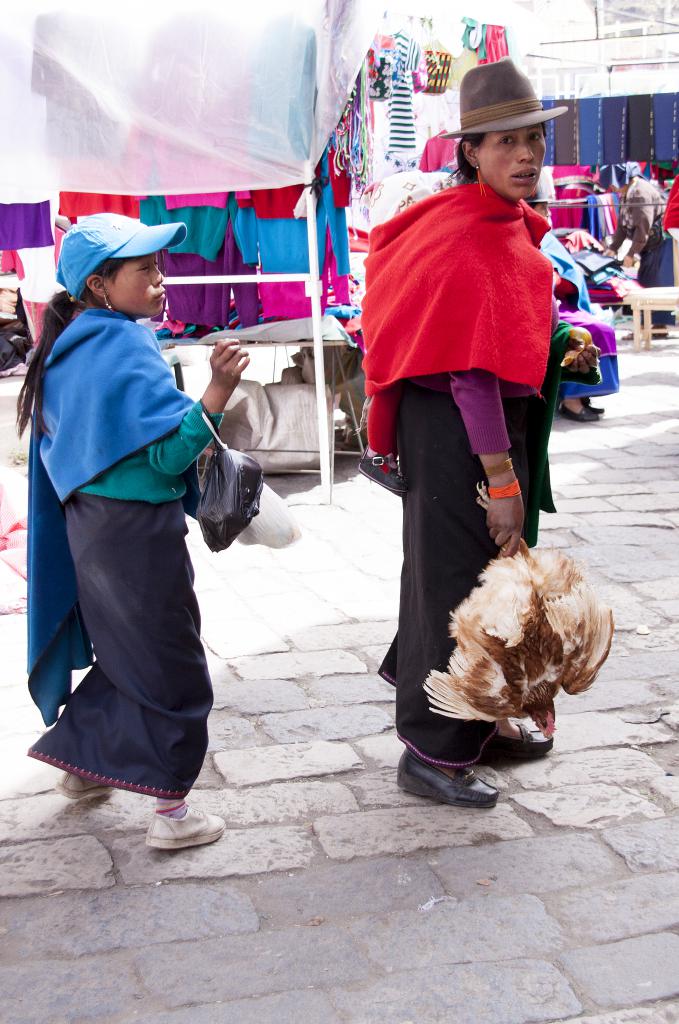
column 534, row 626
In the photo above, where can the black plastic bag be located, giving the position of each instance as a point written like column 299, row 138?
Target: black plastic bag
column 230, row 496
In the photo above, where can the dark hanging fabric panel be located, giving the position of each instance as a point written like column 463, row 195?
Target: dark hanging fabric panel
column 550, row 159
column 639, row 132
column 566, row 135
column 666, row 125
column 615, row 129
column 590, row 131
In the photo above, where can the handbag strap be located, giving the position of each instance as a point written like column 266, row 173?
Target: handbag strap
column 214, row 433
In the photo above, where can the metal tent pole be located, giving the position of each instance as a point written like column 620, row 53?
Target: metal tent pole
column 314, row 286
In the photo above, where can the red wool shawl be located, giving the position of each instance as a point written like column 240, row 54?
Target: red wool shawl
column 672, row 210
column 456, row 282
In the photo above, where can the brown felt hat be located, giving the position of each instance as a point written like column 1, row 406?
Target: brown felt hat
column 498, row 97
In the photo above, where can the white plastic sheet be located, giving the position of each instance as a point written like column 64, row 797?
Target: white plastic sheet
column 180, row 97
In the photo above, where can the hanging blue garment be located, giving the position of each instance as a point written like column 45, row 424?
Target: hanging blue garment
column 666, row 125
column 550, row 153
column 283, row 244
column 590, row 129
column 615, row 129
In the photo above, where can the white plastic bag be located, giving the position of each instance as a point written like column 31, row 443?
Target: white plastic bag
column 275, row 526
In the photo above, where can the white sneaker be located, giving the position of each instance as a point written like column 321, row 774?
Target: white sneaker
column 194, row 829
column 75, row 787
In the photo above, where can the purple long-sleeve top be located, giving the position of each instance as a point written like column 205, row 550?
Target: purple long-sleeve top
column 478, row 395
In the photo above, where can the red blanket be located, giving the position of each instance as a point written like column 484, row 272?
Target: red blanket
column 456, row 282
column 672, row 209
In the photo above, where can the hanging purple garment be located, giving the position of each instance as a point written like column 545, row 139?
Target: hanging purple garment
column 209, row 304
column 288, row 300
column 25, row 225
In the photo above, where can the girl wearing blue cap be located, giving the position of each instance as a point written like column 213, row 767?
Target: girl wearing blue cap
column 112, row 471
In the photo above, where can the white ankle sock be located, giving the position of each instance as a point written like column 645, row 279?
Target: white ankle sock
column 171, row 808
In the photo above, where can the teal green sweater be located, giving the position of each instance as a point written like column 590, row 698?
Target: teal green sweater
column 154, row 474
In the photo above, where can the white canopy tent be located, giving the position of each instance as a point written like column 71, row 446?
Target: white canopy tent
column 136, row 100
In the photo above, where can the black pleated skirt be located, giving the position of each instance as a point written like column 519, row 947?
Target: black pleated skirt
column 138, row 719
column 446, row 545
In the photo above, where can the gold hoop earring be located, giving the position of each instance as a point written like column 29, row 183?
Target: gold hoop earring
column 480, row 180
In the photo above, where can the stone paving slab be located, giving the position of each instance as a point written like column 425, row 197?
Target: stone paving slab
column 543, row 864
column 281, row 801
column 243, row 966
column 335, row 892
column 299, row 1005
column 661, row 1013
column 297, row 665
column 504, row 993
column 349, row 690
column 587, row 806
column 383, row 751
column 327, row 723
column 48, row 991
column 47, row 866
column 595, row 729
column 649, row 844
column 401, row 830
column 239, row 852
column 619, row 765
column 260, row 696
column 628, row 972
column 471, row 931
column 348, row 635
column 285, row 761
column 609, row 693
column 131, row 918
column 620, row 910
column 667, row 788
column 49, row 815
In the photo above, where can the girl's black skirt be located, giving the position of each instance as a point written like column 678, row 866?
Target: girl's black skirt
column 138, row 719
column 446, row 545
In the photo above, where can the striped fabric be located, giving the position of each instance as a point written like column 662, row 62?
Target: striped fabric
column 402, row 122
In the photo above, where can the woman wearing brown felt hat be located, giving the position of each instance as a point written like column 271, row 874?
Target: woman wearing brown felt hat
column 457, row 319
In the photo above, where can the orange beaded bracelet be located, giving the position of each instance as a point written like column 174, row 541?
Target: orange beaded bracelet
column 510, row 491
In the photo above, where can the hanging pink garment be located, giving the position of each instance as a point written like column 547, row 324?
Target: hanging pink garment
column 438, row 153
column 566, row 179
column 496, row 44
column 218, row 199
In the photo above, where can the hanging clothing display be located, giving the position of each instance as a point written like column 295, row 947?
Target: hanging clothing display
column 496, row 44
column 438, row 155
column 211, row 303
column 666, row 125
column 591, row 131
column 402, row 121
column 25, row 225
column 205, row 225
column 83, row 204
column 614, row 112
column 565, row 135
column 639, row 121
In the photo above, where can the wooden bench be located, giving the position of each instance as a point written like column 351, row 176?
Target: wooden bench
column 644, row 303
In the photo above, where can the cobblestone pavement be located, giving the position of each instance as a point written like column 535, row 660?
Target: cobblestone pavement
column 333, row 897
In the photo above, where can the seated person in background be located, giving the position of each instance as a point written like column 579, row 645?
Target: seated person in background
column 576, row 309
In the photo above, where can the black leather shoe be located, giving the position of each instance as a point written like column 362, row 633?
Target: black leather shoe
column 586, row 414
column 463, row 789
column 531, row 745
column 598, row 409
column 376, row 468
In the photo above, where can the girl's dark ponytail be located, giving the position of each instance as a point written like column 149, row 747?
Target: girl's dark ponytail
column 60, row 311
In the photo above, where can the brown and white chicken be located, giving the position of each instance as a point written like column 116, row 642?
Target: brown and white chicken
column 533, row 627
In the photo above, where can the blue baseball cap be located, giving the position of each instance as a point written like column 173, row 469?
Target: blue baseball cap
column 97, row 238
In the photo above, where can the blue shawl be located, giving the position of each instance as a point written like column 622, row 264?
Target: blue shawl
column 566, row 267
column 107, row 393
